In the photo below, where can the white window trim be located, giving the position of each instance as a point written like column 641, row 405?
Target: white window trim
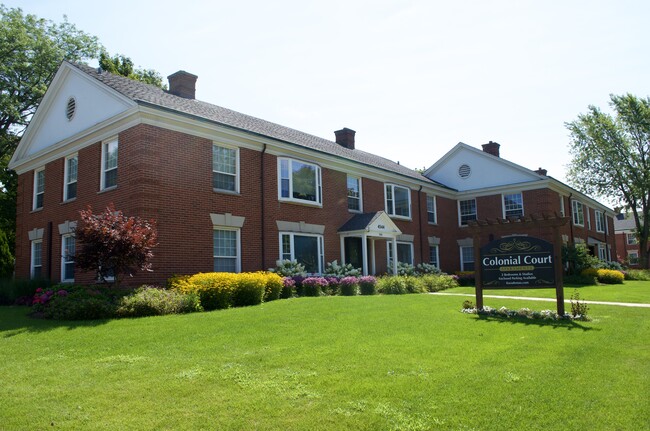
column 238, row 238
column 435, row 209
column 391, row 212
column 102, row 170
column 32, row 265
column 63, row 261
column 599, row 216
column 503, row 202
column 634, row 241
column 319, row 188
column 320, row 242
column 65, row 177
column 575, row 213
column 360, row 210
column 35, row 194
column 588, row 217
column 459, row 213
column 562, row 206
column 462, row 261
column 230, row 147
column 437, row 248
column 389, row 249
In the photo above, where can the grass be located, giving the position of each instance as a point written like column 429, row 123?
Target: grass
column 410, row 362
column 630, row 291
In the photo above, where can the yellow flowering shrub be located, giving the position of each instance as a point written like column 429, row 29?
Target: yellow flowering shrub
column 273, row 286
column 610, row 276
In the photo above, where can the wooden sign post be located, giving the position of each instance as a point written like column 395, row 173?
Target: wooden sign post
column 518, row 262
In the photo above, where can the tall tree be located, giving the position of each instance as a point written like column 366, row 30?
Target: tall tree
column 121, row 65
column 611, row 159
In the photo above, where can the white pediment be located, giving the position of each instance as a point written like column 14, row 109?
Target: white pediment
column 383, row 225
column 94, row 103
column 467, row 168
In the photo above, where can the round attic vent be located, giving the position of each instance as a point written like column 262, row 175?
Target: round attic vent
column 464, row 171
column 70, row 108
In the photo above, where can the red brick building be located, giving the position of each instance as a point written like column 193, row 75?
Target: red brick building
column 627, row 242
column 230, row 192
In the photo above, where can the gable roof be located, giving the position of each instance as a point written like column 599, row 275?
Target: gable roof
column 146, row 94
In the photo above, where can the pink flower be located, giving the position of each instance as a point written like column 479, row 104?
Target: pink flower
column 62, row 292
column 39, row 290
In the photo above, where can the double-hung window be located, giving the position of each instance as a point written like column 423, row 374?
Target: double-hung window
column 70, row 178
column 227, row 256
column 578, row 213
column 631, row 238
column 398, row 201
column 466, row 211
column 67, row 257
column 467, row 258
column 37, row 259
column 434, row 257
column 305, row 249
column 39, row 188
column 404, row 253
column 600, row 221
column 299, row 181
column 109, row 164
column 513, row 205
column 225, row 168
column 354, row 194
column 431, row 209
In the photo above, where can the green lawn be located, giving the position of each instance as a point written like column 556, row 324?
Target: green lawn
column 630, row 291
column 410, row 362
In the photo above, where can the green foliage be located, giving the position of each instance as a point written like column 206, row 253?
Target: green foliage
column 468, row 305
column 414, row 284
column 611, row 158
column 289, row 268
column 6, row 257
column 579, row 279
column 392, row 285
column 368, row 285
column 610, row 276
column 153, row 301
column 405, row 269
column 426, row 268
column 80, row 303
column 20, row 290
column 466, row 278
column 249, row 290
column 122, row 65
column 577, row 258
column 349, row 286
column 637, row 274
column 337, row 270
column 579, row 309
column 436, row 283
column 273, row 290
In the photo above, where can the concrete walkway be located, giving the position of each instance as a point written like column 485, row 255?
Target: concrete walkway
column 528, row 298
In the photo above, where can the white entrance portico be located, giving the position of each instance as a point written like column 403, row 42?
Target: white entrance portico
column 363, row 230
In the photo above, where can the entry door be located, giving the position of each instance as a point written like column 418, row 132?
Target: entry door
column 353, row 251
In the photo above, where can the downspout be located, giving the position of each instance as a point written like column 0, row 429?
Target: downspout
column 49, row 251
column 420, row 225
column 263, row 205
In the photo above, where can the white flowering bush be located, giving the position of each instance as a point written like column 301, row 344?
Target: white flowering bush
column 522, row 313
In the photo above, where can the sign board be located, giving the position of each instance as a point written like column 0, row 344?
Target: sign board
column 518, row 261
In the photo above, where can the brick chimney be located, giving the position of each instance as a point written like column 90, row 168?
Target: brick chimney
column 541, row 171
column 491, row 148
column 345, row 137
column 182, row 84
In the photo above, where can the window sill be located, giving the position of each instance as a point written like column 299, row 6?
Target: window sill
column 300, row 202
column 68, row 201
column 35, row 210
column 430, row 223
column 107, row 189
column 226, row 192
column 400, row 217
column 355, row 211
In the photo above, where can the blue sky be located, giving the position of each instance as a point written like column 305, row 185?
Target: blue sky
column 413, row 78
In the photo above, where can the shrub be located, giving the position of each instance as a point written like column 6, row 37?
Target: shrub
column 468, row 305
column 288, row 288
column 78, row 303
column 289, row 268
column 274, row 286
column 349, row 286
column 466, row 278
column 577, row 258
column 333, row 268
column 249, row 289
column 610, row 276
column 414, row 284
column 578, row 309
column 392, row 285
column 20, row 291
column 405, row 269
column 426, row 268
column 436, row 283
column 368, row 285
column 312, row 286
column 215, row 289
column 589, row 272
column 153, row 301
column 610, row 265
column 333, row 285
column 584, row 280
column 637, row 274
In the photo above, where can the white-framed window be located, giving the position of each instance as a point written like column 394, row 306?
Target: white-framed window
column 633, row 257
column 562, row 206
column 70, row 177
column 109, row 164
column 306, row 249
column 404, row 253
column 513, row 205
column 600, row 221
column 36, row 270
column 431, row 209
column 602, row 252
column 466, row 211
column 225, row 168
column 467, row 258
column 588, row 217
column 434, row 256
column 398, row 201
column 39, row 188
column 227, row 249
column 631, row 238
column 577, row 210
column 299, row 181
column 67, row 258
column 354, row 194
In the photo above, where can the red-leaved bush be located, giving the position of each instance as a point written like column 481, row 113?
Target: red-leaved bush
column 114, row 244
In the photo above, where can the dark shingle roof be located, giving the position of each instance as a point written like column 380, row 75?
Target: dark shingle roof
column 150, row 94
column 359, row 222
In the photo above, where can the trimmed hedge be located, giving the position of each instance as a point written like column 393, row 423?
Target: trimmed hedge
column 605, row 276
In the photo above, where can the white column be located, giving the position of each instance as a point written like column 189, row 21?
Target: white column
column 364, row 253
column 372, row 256
column 342, row 250
column 394, row 255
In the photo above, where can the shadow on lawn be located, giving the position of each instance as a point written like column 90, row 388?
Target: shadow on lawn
column 15, row 320
column 555, row 324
